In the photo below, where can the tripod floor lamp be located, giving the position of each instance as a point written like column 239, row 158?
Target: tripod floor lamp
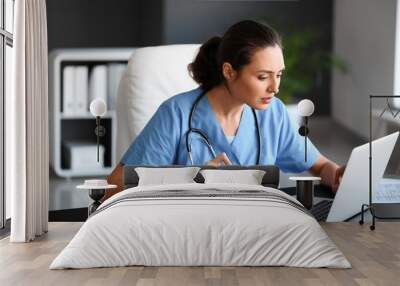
column 394, row 113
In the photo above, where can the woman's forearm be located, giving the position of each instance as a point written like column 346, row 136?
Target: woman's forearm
column 328, row 173
column 326, row 169
column 115, row 178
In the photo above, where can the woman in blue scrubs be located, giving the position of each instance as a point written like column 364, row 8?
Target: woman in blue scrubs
column 236, row 73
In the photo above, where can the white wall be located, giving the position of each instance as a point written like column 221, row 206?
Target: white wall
column 364, row 36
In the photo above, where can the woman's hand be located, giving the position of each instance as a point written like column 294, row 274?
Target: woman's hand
column 338, row 178
column 330, row 173
column 115, row 178
column 220, row 158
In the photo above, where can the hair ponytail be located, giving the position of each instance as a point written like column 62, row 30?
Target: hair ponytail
column 205, row 69
column 236, row 47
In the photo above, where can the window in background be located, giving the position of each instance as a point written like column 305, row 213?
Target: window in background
column 8, row 73
column 6, row 43
column 9, row 13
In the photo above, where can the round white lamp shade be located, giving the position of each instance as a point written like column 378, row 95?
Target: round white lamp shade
column 305, row 107
column 98, row 107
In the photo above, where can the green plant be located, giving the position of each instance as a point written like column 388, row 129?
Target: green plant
column 305, row 63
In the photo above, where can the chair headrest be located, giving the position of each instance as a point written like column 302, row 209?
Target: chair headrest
column 153, row 75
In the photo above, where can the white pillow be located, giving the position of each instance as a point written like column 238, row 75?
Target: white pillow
column 249, row 177
column 163, row 176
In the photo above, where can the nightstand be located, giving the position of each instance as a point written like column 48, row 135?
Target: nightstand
column 305, row 190
column 97, row 189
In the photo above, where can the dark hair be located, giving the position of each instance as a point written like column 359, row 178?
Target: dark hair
column 235, row 47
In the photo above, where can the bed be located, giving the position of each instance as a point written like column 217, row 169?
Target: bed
column 198, row 224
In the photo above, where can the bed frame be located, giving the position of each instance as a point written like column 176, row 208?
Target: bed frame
column 270, row 179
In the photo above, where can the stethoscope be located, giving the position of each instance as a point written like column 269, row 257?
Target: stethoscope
column 204, row 136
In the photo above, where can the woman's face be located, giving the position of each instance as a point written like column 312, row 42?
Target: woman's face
column 257, row 82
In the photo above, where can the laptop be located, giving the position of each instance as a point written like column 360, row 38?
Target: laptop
column 353, row 190
column 388, row 190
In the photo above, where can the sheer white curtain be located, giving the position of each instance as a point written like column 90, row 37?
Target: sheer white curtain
column 27, row 124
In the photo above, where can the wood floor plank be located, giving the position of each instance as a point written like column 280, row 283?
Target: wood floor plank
column 374, row 255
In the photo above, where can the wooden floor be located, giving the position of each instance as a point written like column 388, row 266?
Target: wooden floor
column 374, row 255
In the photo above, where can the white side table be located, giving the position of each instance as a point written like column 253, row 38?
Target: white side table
column 305, row 190
column 97, row 189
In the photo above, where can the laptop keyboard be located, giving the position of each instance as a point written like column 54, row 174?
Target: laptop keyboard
column 388, row 191
column 321, row 210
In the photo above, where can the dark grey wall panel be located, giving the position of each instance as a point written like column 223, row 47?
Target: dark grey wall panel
column 121, row 23
column 92, row 23
column 194, row 21
column 150, row 24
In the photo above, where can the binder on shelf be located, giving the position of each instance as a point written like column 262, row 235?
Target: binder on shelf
column 68, row 90
column 98, row 83
column 82, row 156
column 81, row 89
column 114, row 74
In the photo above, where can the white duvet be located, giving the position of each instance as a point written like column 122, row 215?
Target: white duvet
column 180, row 231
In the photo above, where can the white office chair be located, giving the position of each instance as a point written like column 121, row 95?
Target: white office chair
column 153, row 75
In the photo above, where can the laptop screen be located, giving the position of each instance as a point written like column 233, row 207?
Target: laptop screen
column 393, row 168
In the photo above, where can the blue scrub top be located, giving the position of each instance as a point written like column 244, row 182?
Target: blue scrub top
column 163, row 139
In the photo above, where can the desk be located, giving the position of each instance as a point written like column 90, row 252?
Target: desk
column 318, row 202
column 320, row 191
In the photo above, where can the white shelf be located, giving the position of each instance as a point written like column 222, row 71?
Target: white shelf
column 88, row 115
column 84, row 173
column 77, row 56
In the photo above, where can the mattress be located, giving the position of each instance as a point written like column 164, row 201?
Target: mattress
column 201, row 225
